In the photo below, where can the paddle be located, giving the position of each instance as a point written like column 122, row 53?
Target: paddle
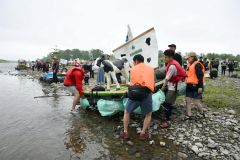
column 48, row 96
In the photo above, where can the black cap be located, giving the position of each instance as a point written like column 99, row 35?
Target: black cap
column 169, row 53
column 172, row 45
column 86, row 67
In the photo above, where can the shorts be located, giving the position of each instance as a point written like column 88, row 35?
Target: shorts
column 194, row 95
column 72, row 89
column 145, row 105
column 192, row 92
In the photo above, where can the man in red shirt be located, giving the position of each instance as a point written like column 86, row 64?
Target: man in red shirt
column 73, row 81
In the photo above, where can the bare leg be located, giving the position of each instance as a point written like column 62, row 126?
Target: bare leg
column 199, row 105
column 108, row 80
column 146, row 122
column 126, row 72
column 188, row 106
column 113, row 75
column 75, row 100
column 125, row 75
column 126, row 119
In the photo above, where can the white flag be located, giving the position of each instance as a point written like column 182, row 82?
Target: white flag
column 129, row 34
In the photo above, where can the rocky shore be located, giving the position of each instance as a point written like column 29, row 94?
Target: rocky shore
column 215, row 137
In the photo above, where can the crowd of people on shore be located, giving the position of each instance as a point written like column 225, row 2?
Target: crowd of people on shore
column 57, row 68
column 142, row 84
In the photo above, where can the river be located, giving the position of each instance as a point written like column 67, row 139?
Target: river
column 44, row 128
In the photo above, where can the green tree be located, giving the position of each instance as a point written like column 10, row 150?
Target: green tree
column 74, row 54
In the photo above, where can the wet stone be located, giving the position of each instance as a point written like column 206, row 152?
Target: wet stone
column 132, row 150
column 236, row 157
column 232, row 141
column 195, row 149
column 182, row 155
column 185, row 142
column 162, row 144
column 138, row 130
column 232, row 112
column 117, row 136
column 138, row 155
column 118, row 144
column 155, row 126
column 224, row 151
column 199, row 145
column 211, row 144
column 212, row 133
column 130, row 143
column 171, row 137
column 151, row 142
column 202, row 154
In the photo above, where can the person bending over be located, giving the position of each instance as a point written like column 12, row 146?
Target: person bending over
column 73, row 81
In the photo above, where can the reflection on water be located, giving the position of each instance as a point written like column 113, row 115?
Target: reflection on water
column 39, row 128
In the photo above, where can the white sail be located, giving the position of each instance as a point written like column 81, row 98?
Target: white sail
column 144, row 44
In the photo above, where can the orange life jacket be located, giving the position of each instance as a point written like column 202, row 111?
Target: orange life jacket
column 143, row 75
column 191, row 73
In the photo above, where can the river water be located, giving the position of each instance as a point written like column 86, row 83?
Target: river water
column 44, row 128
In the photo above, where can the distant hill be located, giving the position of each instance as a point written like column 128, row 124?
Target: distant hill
column 6, row 61
column 3, row 61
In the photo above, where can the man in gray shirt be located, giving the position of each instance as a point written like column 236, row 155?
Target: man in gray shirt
column 175, row 74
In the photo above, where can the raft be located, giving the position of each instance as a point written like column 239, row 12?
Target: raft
column 48, row 77
column 112, row 92
column 109, row 103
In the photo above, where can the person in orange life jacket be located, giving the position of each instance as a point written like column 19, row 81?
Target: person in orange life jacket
column 194, row 81
column 175, row 74
column 73, row 82
column 139, row 94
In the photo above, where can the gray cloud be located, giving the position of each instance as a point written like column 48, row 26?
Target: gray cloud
column 29, row 28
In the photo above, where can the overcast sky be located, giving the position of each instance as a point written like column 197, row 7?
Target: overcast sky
column 29, row 29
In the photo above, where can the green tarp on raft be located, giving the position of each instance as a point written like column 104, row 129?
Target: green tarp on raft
column 84, row 103
column 109, row 108
column 157, row 100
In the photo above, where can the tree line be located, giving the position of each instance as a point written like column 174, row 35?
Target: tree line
column 74, row 54
column 95, row 53
column 224, row 56
column 209, row 56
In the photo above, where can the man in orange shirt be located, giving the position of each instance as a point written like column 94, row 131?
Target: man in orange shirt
column 139, row 94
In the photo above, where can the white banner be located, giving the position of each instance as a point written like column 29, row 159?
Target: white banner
column 144, row 44
column 63, row 61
